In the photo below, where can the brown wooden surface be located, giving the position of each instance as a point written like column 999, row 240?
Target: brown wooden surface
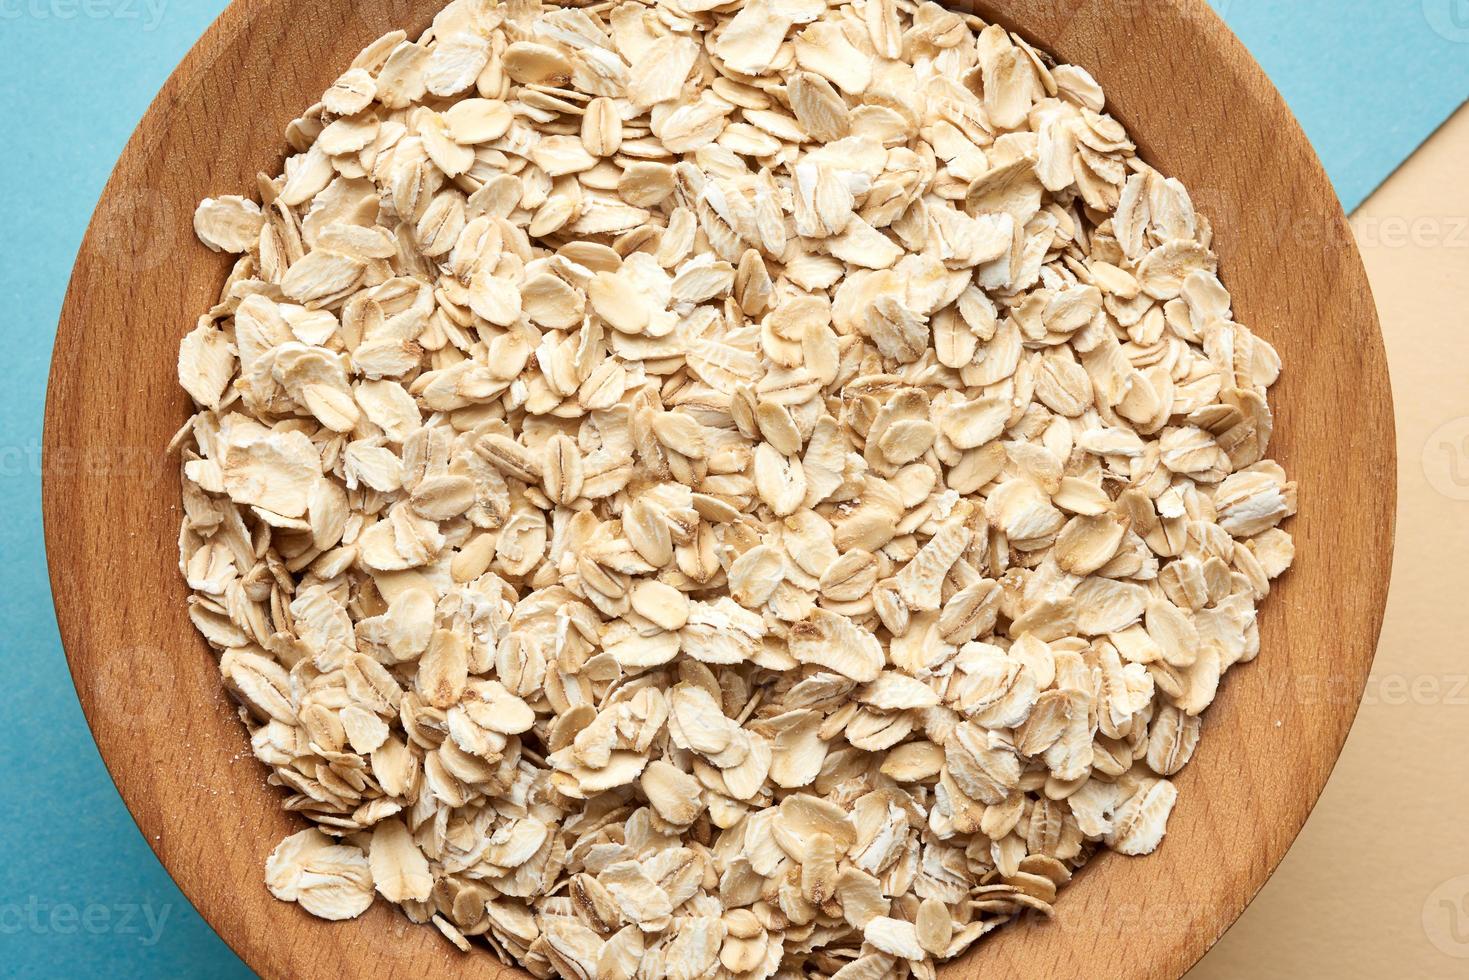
column 1200, row 109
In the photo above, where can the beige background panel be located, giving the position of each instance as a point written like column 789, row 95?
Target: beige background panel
column 1377, row 885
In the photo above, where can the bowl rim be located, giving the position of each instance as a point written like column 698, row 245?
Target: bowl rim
column 242, row 16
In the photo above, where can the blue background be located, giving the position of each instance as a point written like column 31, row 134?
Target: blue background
column 80, row 893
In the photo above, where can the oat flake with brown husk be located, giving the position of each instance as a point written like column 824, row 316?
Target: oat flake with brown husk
column 688, row 489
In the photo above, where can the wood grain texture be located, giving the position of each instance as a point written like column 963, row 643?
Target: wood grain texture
column 1200, row 109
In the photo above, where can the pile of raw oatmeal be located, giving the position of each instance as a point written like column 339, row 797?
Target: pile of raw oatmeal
column 692, row 489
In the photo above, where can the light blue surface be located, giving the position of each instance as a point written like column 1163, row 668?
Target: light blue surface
column 1369, row 80
column 80, row 893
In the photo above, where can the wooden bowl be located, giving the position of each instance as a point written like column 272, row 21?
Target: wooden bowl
column 1200, row 109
